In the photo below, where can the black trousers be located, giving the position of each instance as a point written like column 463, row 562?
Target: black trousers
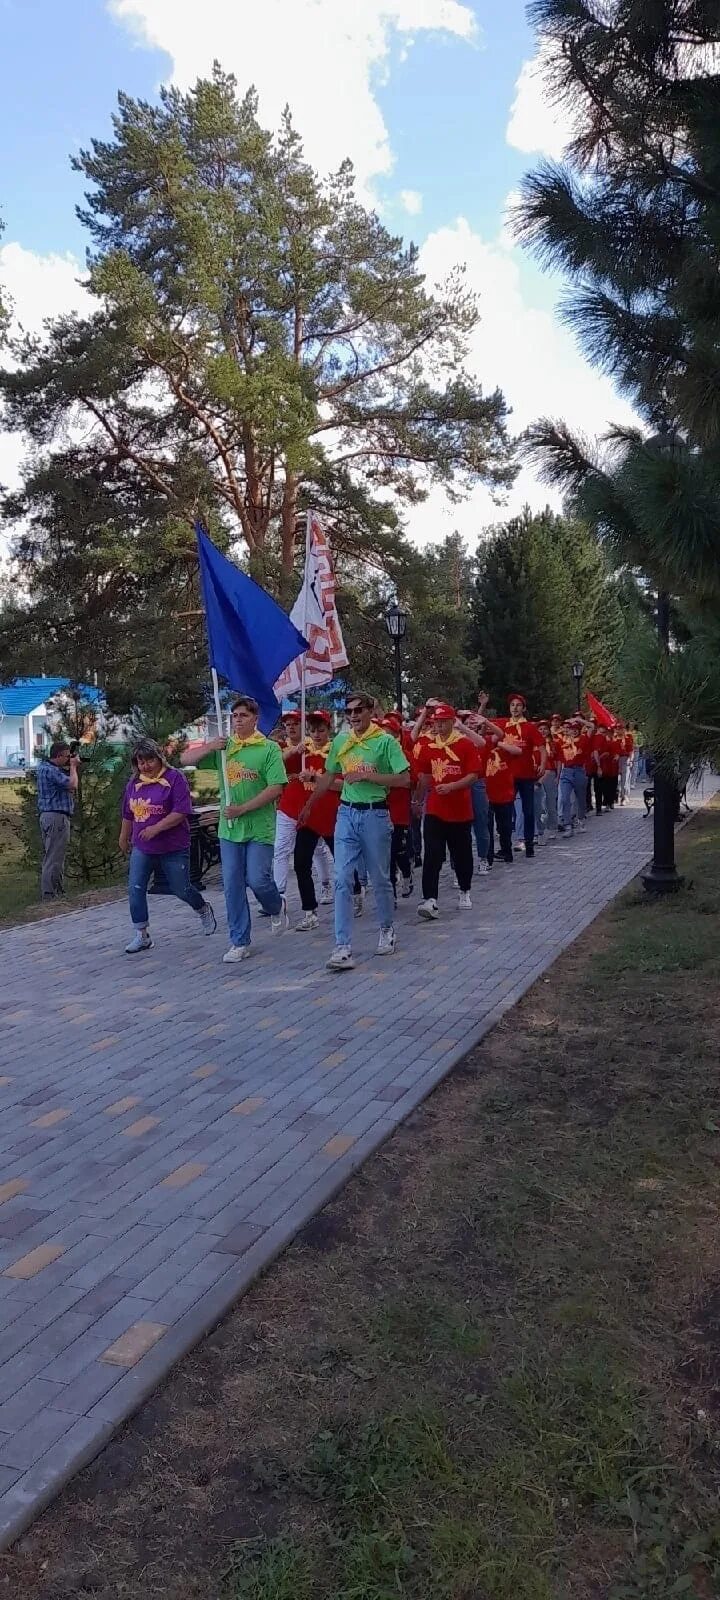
column 416, row 839
column 589, row 793
column 457, row 838
column 610, row 790
column 598, row 784
column 306, row 843
column 525, row 787
column 400, row 852
column 501, row 816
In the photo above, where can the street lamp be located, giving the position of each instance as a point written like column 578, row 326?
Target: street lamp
column 396, row 623
column 663, row 876
column 578, row 672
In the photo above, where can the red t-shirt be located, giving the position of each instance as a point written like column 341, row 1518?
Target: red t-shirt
column 628, row 744
column 573, row 749
column 499, row 778
column 616, row 742
column 446, row 761
column 294, row 794
column 609, row 762
column 526, row 734
column 323, row 814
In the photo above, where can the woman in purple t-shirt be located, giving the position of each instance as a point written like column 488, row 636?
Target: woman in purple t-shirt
column 155, row 810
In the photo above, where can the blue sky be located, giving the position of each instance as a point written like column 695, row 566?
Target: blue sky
column 435, row 100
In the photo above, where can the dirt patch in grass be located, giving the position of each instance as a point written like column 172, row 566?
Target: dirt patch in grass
column 490, row 1370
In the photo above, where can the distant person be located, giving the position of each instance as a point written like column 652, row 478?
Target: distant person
column 155, row 830
column 57, row 786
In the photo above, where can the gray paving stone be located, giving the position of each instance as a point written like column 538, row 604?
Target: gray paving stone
column 135, row 1249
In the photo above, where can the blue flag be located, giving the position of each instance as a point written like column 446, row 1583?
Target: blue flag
column 251, row 639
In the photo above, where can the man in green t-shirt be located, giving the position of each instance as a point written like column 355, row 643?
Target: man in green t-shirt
column 255, row 775
column 371, row 762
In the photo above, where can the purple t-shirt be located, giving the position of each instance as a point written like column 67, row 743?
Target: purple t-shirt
column 146, row 800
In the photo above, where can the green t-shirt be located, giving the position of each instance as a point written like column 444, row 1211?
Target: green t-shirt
column 252, row 765
column 372, row 749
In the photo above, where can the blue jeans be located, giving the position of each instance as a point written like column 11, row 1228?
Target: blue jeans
column 176, row 873
column 362, row 845
column 525, row 792
column 247, row 866
column 480, row 818
column 550, row 785
column 573, row 781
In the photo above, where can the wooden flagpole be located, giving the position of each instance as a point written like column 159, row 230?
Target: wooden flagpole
column 304, row 632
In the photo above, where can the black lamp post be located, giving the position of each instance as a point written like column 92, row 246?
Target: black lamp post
column 396, row 623
column 662, row 876
column 578, row 673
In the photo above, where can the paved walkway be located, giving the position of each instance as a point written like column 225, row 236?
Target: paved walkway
column 167, row 1123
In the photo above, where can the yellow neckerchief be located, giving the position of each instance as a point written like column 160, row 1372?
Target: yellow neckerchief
column 356, row 739
column 445, row 744
column 164, row 782
column 235, row 744
column 319, row 749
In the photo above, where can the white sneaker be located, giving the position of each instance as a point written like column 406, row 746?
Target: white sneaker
column 358, row 903
column 307, row 923
column 237, row 952
column 581, row 827
column 326, row 894
column 140, row 941
column 207, row 918
column 341, row 959
column 429, row 910
column 482, row 868
column 386, row 942
column 281, row 922
column 464, row 901
column 551, row 835
column 407, row 887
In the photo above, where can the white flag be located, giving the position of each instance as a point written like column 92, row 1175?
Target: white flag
column 315, row 614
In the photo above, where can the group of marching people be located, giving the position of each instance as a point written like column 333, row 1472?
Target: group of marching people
column 381, row 797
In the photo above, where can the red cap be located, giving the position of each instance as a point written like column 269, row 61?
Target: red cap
column 443, row 713
column 516, row 695
column 394, row 724
column 319, row 716
column 290, row 716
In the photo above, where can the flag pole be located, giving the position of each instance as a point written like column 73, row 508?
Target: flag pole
column 304, row 633
column 221, row 730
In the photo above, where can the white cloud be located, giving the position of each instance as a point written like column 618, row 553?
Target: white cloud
column 37, row 287
column 412, row 201
column 529, row 355
column 538, row 125
column 323, row 57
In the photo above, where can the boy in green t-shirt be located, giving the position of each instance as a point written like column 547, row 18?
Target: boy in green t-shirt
column 255, row 778
column 371, row 762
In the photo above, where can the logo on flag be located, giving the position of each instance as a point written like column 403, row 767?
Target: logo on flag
column 315, row 614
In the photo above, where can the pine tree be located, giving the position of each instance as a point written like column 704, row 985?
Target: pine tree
column 261, row 343
column 633, row 218
column 543, row 596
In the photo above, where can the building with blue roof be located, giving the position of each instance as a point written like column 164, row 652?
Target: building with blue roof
column 26, row 708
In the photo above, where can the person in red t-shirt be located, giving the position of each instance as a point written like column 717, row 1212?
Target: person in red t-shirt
column 615, row 740
column 572, row 745
column 627, row 753
column 290, row 805
column 316, row 818
column 447, row 767
column 524, row 733
column 500, row 785
column 400, row 813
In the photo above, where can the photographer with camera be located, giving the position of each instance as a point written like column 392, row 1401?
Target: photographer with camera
column 57, row 785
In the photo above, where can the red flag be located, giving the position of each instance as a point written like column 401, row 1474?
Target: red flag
column 604, row 717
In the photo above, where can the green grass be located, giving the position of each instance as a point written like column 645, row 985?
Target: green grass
column 18, row 883
column 491, row 1374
